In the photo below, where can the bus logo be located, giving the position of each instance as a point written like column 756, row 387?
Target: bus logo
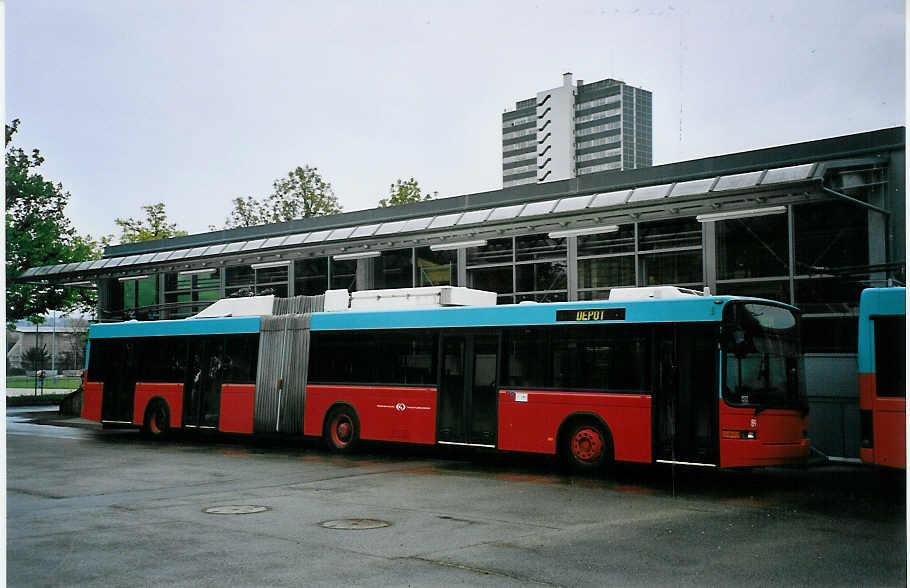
column 401, row 407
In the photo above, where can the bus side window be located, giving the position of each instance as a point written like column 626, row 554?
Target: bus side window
column 890, row 356
column 526, row 358
column 241, row 355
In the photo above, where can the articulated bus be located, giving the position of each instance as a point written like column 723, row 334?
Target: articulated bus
column 651, row 375
column 882, row 362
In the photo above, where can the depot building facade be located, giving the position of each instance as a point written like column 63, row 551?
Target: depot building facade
column 810, row 224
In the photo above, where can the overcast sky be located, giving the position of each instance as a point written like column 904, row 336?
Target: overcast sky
column 195, row 103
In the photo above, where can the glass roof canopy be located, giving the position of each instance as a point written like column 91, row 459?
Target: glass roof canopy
column 502, row 214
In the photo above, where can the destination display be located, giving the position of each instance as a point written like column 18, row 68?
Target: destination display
column 591, row 314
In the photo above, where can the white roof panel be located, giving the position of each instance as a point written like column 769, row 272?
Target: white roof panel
column 364, row 231
column 474, row 216
column 274, row 241
column 317, row 237
column 573, row 203
column 296, row 239
column 339, row 234
column 793, row 173
column 650, row 193
column 505, row 212
column 235, row 246
column 692, row 187
column 539, row 208
column 444, row 220
column 610, row 199
column 391, row 227
column 417, row 224
column 252, row 245
column 738, row 181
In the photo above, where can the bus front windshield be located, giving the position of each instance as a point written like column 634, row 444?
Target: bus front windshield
column 762, row 366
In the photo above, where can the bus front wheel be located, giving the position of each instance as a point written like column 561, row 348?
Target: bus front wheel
column 342, row 429
column 157, row 421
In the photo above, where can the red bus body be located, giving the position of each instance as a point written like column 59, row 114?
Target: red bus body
column 527, row 419
column 881, row 359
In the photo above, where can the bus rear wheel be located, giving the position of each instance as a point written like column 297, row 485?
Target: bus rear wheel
column 342, row 430
column 587, row 447
column 157, row 421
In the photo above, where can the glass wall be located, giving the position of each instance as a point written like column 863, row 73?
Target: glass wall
column 244, row 280
column 753, row 257
column 343, row 275
column 491, row 268
column 831, row 248
column 393, row 269
column 605, row 260
column 670, row 253
column 540, row 269
column 139, row 298
column 822, row 271
column 530, row 267
column 311, row 276
column 186, row 294
column 436, row 268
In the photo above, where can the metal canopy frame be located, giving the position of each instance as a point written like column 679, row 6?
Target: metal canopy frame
column 778, row 186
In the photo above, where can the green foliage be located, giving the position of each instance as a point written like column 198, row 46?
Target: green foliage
column 302, row 194
column 154, row 226
column 37, row 357
column 247, row 213
column 405, row 192
column 38, row 232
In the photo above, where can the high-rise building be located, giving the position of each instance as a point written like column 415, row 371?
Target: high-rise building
column 576, row 129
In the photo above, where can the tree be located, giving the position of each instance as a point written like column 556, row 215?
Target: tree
column 38, row 232
column 302, row 194
column 405, row 192
column 76, row 344
column 154, row 226
column 247, row 213
column 36, row 357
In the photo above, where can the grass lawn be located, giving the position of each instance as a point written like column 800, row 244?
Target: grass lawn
column 29, row 382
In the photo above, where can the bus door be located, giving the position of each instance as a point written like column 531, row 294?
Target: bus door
column 467, row 389
column 202, row 388
column 119, row 378
column 685, row 401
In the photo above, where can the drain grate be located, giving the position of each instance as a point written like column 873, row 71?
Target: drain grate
column 354, row 524
column 235, row 509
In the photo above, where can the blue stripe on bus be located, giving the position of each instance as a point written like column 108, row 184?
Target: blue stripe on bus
column 650, row 311
column 209, row 326
column 876, row 302
column 695, row 309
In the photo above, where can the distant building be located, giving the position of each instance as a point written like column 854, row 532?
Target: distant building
column 64, row 346
column 576, row 129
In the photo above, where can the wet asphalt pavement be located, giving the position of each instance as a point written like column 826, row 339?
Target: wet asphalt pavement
column 89, row 507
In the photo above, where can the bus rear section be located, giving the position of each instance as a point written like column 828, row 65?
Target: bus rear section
column 881, row 362
column 168, row 375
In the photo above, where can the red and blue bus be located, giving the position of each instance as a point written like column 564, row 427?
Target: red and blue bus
column 882, row 363
column 700, row 380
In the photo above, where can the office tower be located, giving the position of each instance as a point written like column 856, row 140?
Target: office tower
column 576, row 129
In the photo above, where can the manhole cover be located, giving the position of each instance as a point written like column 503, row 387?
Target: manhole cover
column 354, row 524
column 235, row 509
